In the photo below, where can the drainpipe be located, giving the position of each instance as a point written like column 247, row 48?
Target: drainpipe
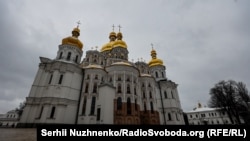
column 164, row 116
column 80, row 96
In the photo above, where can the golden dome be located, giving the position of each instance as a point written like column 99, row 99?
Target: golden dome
column 73, row 40
column 76, row 30
column 154, row 61
column 112, row 34
column 109, row 45
column 119, row 42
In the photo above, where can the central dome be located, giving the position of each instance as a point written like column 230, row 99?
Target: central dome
column 119, row 42
column 109, row 45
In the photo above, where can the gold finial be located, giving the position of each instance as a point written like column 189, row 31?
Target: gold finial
column 113, row 27
column 78, row 23
column 119, row 27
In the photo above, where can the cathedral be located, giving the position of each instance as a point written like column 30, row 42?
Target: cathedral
column 103, row 87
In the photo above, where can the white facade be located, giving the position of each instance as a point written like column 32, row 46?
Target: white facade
column 208, row 116
column 10, row 119
column 103, row 88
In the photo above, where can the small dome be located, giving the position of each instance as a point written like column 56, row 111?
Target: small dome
column 119, row 42
column 153, row 52
column 76, row 30
column 154, row 61
column 73, row 40
column 109, row 45
column 112, row 34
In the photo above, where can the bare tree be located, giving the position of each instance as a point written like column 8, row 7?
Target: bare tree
column 21, row 107
column 229, row 95
column 244, row 101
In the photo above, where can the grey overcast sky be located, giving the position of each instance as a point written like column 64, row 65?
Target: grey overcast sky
column 200, row 41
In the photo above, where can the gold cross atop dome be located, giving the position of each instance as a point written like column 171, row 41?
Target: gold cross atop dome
column 78, row 23
column 113, row 27
column 119, row 28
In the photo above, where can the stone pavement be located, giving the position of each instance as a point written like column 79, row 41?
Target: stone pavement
column 18, row 134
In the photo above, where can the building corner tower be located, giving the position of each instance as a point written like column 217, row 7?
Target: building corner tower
column 54, row 95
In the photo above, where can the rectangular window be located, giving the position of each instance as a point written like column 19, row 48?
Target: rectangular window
column 76, row 58
column 95, row 88
column 98, row 114
column 172, row 94
column 50, row 79
column 60, row 80
column 40, row 114
column 92, row 110
column 84, row 105
column 52, row 113
column 177, row 117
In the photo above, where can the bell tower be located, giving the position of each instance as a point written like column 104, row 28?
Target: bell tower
column 71, row 48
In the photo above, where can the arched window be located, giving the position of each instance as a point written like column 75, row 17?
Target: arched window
column 149, row 85
column 60, row 56
column 119, row 88
column 156, row 74
column 128, row 88
column 96, row 76
column 128, row 106
column 69, row 55
column 76, row 58
column 162, row 73
column 119, row 78
column 150, row 94
column 119, row 103
column 87, row 77
column 165, row 94
column 128, row 79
